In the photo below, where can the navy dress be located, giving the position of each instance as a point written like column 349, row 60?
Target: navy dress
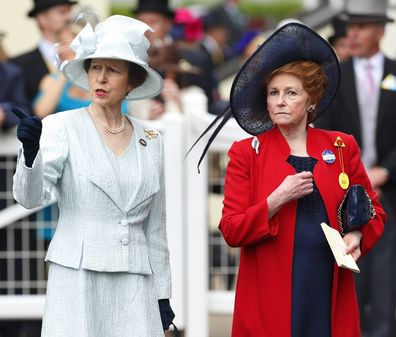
column 312, row 263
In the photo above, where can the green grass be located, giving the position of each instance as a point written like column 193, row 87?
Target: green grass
column 275, row 9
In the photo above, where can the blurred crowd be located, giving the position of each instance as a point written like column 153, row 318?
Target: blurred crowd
column 189, row 46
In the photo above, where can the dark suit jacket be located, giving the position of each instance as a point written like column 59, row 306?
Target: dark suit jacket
column 205, row 80
column 12, row 91
column 34, row 67
column 343, row 115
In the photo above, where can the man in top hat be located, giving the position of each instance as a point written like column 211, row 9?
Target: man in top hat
column 339, row 39
column 51, row 16
column 365, row 108
column 159, row 16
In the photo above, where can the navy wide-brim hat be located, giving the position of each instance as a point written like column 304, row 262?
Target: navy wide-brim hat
column 248, row 99
column 42, row 5
column 291, row 42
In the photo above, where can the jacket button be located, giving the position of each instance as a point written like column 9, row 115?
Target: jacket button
column 124, row 223
column 125, row 241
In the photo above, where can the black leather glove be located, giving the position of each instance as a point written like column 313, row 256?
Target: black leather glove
column 167, row 314
column 29, row 133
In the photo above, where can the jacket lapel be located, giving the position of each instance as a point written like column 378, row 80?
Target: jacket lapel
column 349, row 82
column 148, row 166
column 385, row 95
column 100, row 170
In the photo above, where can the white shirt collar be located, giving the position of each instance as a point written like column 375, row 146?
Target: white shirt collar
column 377, row 62
column 48, row 50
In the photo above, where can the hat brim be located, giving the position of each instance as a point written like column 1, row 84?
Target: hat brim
column 33, row 12
column 352, row 18
column 151, row 87
column 292, row 42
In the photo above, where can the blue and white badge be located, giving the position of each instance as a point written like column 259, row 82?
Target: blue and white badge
column 328, row 156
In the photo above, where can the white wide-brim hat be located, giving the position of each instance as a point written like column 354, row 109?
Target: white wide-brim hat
column 118, row 38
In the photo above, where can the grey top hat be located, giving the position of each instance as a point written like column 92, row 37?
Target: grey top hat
column 366, row 11
column 42, row 5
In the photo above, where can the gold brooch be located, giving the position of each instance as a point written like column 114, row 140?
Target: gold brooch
column 150, row 134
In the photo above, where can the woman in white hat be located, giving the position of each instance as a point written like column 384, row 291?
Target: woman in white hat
column 109, row 272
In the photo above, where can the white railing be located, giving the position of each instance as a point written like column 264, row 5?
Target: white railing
column 187, row 221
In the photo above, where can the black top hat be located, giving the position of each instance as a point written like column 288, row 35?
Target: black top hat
column 158, row 6
column 41, row 5
column 339, row 29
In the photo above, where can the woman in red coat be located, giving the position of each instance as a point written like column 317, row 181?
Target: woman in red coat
column 282, row 184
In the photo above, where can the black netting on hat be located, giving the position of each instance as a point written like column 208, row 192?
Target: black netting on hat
column 292, row 42
column 248, row 100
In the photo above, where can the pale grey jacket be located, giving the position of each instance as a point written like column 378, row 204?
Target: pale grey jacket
column 94, row 230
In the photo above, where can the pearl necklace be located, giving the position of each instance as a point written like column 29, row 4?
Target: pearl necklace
column 106, row 126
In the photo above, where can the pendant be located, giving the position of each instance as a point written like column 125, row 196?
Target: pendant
column 343, row 180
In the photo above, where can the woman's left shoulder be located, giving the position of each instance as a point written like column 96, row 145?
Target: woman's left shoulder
column 332, row 136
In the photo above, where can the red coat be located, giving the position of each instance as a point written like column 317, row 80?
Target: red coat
column 263, row 293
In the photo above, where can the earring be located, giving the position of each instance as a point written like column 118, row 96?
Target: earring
column 311, row 108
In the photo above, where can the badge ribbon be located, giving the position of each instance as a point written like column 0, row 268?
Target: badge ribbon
column 343, row 178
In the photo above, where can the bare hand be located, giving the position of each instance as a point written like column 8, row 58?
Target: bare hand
column 296, row 186
column 292, row 187
column 171, row 90
column 156, row 110
column 172, row 96
column 2, row 117
column 378, row 176
column 352, row 241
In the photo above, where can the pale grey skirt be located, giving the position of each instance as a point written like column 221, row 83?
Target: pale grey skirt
column 84, row 303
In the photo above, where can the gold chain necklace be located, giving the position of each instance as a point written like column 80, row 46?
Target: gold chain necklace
column 106, row 126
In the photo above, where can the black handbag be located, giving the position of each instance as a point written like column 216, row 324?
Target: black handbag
column 355, row 210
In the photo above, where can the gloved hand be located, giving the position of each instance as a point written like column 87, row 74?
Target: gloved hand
column 167, row 314
column 29, row 133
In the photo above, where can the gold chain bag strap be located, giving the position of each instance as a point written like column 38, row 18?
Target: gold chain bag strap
column 355, row 210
